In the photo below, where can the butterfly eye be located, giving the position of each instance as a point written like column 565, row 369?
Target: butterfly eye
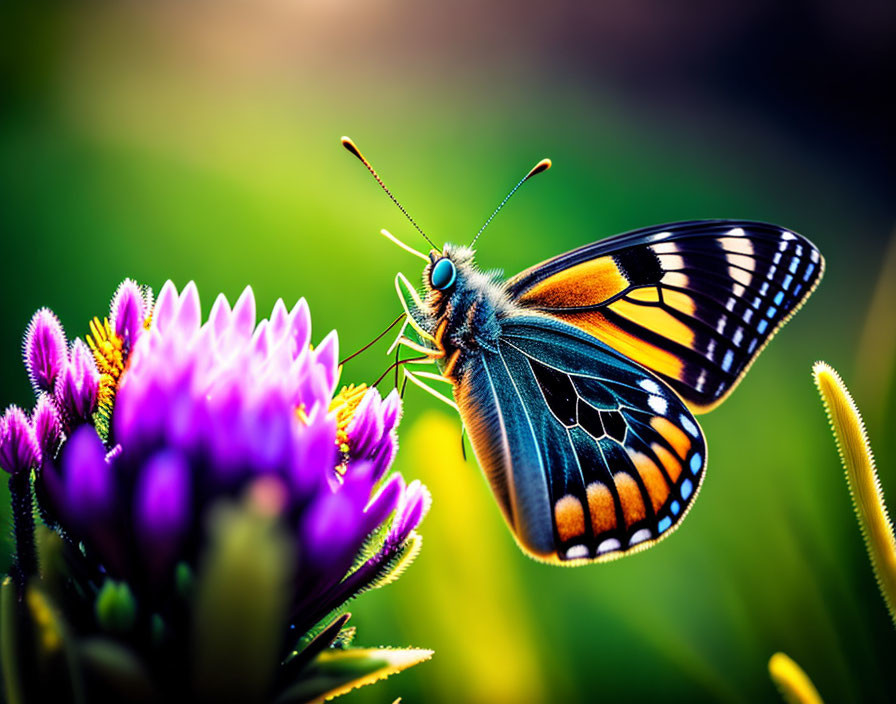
column 443, row 274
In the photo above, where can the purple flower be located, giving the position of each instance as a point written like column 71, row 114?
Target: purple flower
column 206, row 410
column 412, row 507
column 214, row 496
column 130, row 308
column 19, row 450
column 162, row 510
column 44, row 350
column 47, row 426
column 77, row 387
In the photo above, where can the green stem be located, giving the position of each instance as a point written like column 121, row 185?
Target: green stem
column 23, row 526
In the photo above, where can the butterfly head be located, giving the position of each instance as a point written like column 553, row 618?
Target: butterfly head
column 448, row 270
column 442, row 274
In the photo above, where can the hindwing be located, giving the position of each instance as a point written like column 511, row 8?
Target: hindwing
column 590, row 455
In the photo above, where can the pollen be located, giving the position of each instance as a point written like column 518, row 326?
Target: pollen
column 107, row 348
column 344, row 404
column 110, row 356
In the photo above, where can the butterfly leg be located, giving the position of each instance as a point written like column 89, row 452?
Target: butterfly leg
column 417, row 347
column 412, row 377
column 404, row 289
column 401, row 331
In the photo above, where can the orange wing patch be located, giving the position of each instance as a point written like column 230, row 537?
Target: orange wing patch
column 668, row 460
column 584, row 284
column 601, row 507
column 673, row 434
column 570, row 517
column 656, row 485
column 630, row 497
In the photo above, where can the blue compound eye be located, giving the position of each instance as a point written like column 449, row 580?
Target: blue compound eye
column 443, row 274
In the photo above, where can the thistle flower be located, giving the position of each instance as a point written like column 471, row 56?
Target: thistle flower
column 19, row 454
column 44, row 350
column 19, row 450
column 211, row 489
column 77, row 386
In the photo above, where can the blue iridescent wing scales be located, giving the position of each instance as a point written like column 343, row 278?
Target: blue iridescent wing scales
column 590, row 455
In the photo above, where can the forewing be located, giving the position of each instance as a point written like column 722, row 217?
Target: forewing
column 589, row 455
column 694, row 302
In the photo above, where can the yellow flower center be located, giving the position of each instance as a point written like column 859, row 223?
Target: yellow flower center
column 107, row 348
column 108, row 352
column 345, row 403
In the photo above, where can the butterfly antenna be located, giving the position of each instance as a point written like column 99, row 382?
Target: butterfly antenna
column 542, row 165
column 352, row 147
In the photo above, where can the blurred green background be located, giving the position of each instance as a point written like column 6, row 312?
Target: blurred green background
column 201, row 141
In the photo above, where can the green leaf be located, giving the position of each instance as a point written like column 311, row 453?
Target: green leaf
column 114, row 672
column 336, row 672
column 395, row 566
column 240, row 606
column 116, row 609
column 345, row 637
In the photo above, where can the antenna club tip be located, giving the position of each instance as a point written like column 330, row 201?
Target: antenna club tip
column 351, row 146
column 542, row 165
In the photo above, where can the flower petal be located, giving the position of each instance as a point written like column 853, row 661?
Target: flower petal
column 45, row 350
column 19, row 449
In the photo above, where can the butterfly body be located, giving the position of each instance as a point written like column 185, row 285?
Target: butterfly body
column 577, row 380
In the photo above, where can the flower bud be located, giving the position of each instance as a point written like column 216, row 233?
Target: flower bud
column 77, row 387
column 128, row 312
column 45, row 350
column 19, row 450
column 47, row 426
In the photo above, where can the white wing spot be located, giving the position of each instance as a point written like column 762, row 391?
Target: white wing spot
column 736, row 245
column 609, row 545
column 701, row 380
column 650, row 385
column 576, row 551
column 640, row 536
column 744, row 277
column 658, row 404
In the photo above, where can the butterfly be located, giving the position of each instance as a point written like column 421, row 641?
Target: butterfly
column 578, row 380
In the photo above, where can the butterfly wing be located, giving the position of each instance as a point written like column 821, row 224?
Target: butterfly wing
column 695, row 302
column 589, row 455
